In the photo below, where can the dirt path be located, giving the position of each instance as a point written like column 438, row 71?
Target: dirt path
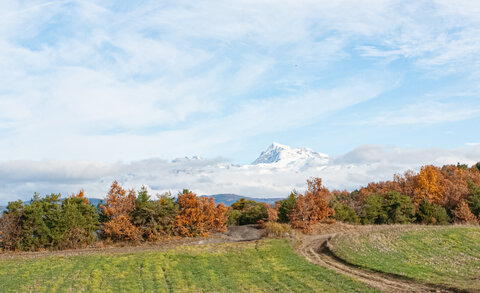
column 315, row 248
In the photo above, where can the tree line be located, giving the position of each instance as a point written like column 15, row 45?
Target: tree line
column 449, row 194
column 53, row 223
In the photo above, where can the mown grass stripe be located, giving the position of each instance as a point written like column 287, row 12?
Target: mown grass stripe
column 238, row 267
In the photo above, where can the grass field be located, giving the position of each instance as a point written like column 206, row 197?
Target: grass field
column 266, row 266
column 439, row 255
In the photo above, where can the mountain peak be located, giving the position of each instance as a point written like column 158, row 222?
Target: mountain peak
column 278, row 154
column 278, row 146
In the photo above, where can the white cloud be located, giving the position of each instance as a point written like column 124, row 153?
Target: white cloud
column 85, row 80
column 19, row 179
column 157, row 65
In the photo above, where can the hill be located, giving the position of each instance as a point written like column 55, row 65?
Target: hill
column 228, row 199
column 96, row 201
column 448, row 256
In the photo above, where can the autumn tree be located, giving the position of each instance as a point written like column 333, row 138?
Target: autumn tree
column 463, row 214
column 117, row 209
column 272, row 210
column 198, row 216
column 11, row 226
column 215, row 215
column 429, row 185
column 455, row 184
column 312, row 207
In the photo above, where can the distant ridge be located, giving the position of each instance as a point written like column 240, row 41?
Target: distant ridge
column 227, row 199
column 93, row 201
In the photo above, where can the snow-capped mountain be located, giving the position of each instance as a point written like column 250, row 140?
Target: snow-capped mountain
column 281, row 155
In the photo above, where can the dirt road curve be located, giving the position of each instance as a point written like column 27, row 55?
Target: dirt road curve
column 315, row 248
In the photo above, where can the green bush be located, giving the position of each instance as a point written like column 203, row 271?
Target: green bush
column 49, row 223
column 432, row 214
column 250, row 212
column 399, row 208
column 473, row 200
column 233, row 217
column 154, row 218
column 345, row 213
column 285, row 207
column 77, row 223
column 393, row 208
column 372, row 211
column 40, row 227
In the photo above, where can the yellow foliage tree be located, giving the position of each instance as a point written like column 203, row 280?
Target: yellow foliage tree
column 429, row 185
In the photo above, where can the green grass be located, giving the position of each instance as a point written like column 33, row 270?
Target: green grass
column 268, row 266
column 439, row 255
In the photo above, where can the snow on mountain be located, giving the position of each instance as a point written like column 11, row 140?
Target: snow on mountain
column 279, row 155
column 187, row 159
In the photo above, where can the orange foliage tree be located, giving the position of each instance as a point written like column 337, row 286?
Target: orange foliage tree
column 429, row 185
column 272, row 211
column 199, row 216
column 463, row 215
column 312, row 207
column 118, row 208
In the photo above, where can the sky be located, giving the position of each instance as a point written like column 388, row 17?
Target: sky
column 89, row 87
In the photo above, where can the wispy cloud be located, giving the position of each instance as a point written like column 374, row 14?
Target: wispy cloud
column 96, row 80
column 425, row 113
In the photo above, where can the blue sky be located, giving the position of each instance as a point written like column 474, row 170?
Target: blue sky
column 93, row 91
column 117, row 80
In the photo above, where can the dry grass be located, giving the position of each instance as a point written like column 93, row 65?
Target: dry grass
column 278, row 230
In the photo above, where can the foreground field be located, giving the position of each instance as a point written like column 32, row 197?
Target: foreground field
column 264, row 266
column 448, row 256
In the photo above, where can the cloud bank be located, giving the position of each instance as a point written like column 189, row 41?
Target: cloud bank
column 19, row 179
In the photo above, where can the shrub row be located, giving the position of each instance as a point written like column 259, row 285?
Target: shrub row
column 54, row 223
